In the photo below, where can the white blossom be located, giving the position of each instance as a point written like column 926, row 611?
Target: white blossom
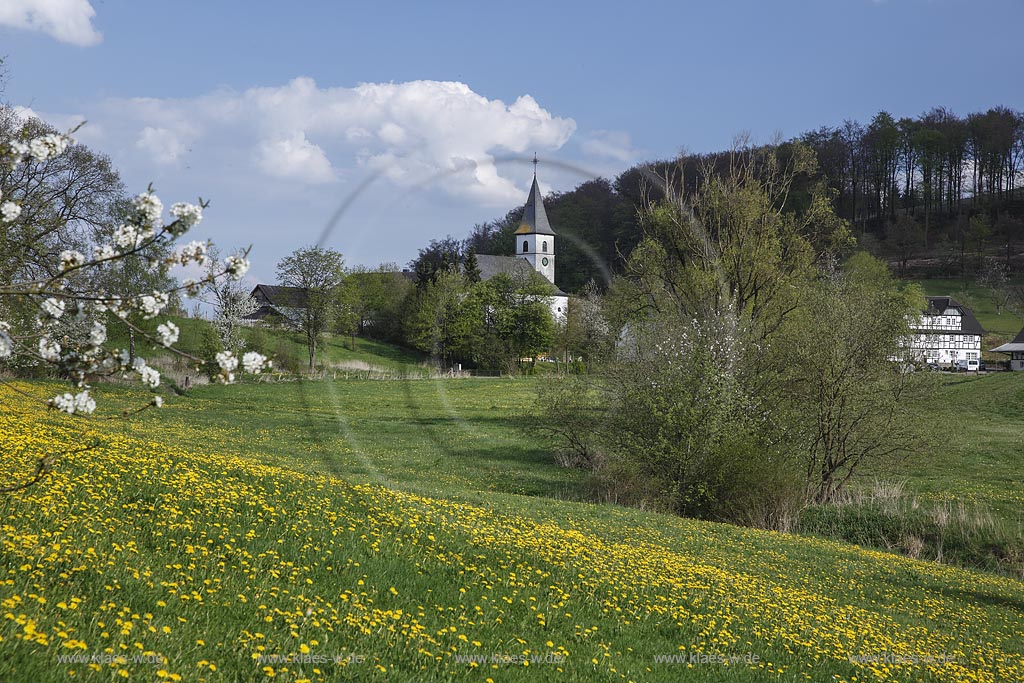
column 236, row 266
column 254, row 362
column 54, row 308
column 49, row 350
column 19, row 149
column 47, row 146
column 150, row 208
column 158, row 401
column 9, row 211
column 98, row 334
column 81, row 402
column 6, row 342
column 168, row 333
column 127, row 236
column 152, row 304
column 227, row 361
column 104, row 252
column 150, row 377
column 187, row 215
column 70, row 258
column 193, row 251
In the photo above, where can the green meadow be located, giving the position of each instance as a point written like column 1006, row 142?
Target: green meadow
column 374, row 529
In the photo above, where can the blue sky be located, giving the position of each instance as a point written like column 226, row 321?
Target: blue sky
column 277, row 113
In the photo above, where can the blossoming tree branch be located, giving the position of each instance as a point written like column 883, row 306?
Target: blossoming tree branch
column 63, row 291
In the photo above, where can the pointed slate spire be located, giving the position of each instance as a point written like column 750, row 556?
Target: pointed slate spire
column 535, row 218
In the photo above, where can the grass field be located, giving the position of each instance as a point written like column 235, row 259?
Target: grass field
column 384, row 523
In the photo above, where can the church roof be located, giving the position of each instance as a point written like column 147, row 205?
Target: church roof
column 515, row 266
column 535, row 218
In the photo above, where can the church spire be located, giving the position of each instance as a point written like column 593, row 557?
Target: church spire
column 535, row 218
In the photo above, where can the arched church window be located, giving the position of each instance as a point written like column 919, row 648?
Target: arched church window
column 544, row 245
column 524, row 246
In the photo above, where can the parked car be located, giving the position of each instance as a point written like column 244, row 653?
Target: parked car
column 968, row 365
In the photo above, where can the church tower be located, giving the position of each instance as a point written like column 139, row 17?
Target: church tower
column 535, row 240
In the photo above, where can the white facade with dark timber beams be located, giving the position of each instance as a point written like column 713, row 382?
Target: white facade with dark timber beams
column 946, row 332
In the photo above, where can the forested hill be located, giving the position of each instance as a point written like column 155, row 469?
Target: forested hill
column 935, row 193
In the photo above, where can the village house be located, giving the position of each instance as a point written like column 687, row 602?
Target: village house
column 283, row 304
column 946, row 332
column 1015, row 349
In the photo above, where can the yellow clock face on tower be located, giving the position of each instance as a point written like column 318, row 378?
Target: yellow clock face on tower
column 544, row 261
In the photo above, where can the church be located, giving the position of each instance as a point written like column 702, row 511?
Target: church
column 535, row 250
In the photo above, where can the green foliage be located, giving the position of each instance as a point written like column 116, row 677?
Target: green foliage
column 317, row 272
column 685, row 418
column 209, row 346
column 471, row 269
column 751, row 375
column 513, row 322
column 442, row 321
column 734, row 241
column 852, row 393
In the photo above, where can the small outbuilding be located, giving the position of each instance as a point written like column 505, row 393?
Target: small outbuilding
column 1015, row 349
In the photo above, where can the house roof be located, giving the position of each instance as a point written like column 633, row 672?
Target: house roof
column 968, row 323
column 278, row 295
column 1016, row 345
column 535, row 218
column 491, row 265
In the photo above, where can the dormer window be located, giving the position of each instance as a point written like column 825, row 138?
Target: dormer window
column 524, row 246
column 544, row 246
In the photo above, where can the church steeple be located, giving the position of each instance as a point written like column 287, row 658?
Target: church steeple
column 535, row 218
column 535, row 240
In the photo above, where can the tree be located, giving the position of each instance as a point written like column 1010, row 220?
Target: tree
column 65, row 200
column 584, row 332
column 736, row 241
column 442, row 320
column 232, row 302
column 316, row 272
column 846, row 381
column 440, row 256
column 45, row 288
column 996, row 282
column 471, row 268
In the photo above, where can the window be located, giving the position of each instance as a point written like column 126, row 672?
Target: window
column 544, row 246
column 524, row 246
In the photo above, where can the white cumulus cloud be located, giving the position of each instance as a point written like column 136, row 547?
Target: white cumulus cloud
column 295, row 157
column 161, row 144
column 419, row 132
column 69, row 21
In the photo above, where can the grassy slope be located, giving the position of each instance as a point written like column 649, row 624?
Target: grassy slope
column 335, row 352
column 243, row 520
column 981, row 455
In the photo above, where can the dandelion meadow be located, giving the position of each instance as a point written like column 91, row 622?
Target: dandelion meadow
column 196, row 553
